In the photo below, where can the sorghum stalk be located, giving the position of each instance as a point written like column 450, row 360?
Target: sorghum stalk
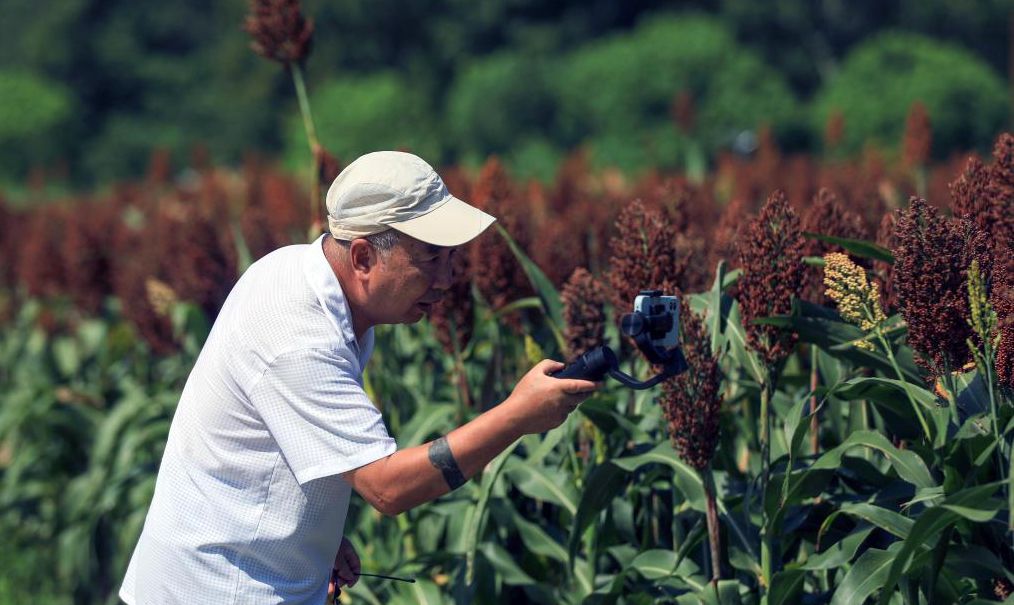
column 311, row 135
column 767, row 539
column 714, row 537
column 770, row 252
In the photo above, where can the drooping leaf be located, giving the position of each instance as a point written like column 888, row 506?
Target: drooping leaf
column 687, row 480
column 604, row 483
column 866, row 576
column 786, row 587
column 839, row 553
column 857, row 247
column 545, row 484
column 547, row 293
column 974, row 504
column 504, row 564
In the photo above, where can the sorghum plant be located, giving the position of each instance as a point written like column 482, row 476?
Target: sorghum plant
column 858, row 301
column 932, row 257
column 826, row 216
column 884, row 271
column 281, row 33
column 770, row 253
column 502, row 280
column 644, row 255
column 584, row 312
column 279, row 30
column 691, row 403
column 918, row 137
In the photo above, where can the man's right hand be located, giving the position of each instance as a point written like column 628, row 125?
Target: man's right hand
column 540, row 402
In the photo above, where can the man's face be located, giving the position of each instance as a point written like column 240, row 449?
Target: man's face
column 410, row 279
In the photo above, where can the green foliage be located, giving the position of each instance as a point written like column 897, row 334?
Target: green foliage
column 34, row 115
column 30, row 104
column 880, row 80
column 618, row 91
column 498, row 100
column 598, row 510
column 356, row 115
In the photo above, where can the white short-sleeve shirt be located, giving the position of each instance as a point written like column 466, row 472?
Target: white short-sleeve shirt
column 249, row 506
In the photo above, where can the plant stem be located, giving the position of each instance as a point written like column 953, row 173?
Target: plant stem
column 766, row 529
column 311, row 137
column 901, row 377
column 714, row 538
column 304, row 105
column 814, row 382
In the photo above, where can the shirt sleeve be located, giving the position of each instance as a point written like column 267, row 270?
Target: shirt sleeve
column 317, row 411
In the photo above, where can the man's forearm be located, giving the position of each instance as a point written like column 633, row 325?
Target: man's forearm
column 420, row 474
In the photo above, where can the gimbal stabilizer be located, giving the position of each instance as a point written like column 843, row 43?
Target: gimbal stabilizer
column 654, row 326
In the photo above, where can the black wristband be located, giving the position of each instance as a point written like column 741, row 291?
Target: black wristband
column 441, row 457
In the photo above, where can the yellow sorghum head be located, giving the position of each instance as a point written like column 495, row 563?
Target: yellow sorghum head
column 983, row 317
column 533, row 351
column 858, row 299
column 161, row 296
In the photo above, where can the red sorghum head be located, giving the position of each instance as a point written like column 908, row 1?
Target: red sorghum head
column 918, row 138
column 584, row 300
column 770, row 252
column 279, row 30
column 826, row 216
column 453, row 316
column 644, row 256
column 932, row 256
column 692, row 401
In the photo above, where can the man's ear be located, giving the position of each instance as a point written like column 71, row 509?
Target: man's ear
column 362, row 256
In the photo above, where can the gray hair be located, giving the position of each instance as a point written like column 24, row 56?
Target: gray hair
column 383, row 242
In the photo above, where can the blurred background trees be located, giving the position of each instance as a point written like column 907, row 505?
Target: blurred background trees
column 89, row 89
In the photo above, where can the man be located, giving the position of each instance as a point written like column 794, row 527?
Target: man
column 274, row 430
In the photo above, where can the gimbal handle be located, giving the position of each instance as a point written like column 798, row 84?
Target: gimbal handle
column 601, row 361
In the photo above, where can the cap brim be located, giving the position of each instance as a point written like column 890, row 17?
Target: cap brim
column 451, row 224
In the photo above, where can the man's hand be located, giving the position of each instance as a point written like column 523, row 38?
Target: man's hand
column 540, row 402
column 346, row 567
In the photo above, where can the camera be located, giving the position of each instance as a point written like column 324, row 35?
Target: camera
column 654, row 327
column 654, row 324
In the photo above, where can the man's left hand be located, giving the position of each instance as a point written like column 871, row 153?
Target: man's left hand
column 346, row 567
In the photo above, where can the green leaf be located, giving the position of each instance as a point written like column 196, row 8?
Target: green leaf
column 909, row 466
column 604, row 483
column 547, row 293
column 422, row 592
column 883, row 390
column 973, row 503
column 477, row 520
column 739, row 350
column 786, row 587
column 687, row 480
column 839, row 553
column 504, row 564
column 655, row 564
column 544, row 484
column 885, row 519
column 857, row 247
column 819, row 325
column 537, row 540
column 427, row 420
column 865, row 577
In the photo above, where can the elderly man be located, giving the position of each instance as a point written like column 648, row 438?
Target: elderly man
column 274, row 430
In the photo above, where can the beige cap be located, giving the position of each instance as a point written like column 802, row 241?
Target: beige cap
column 396, row 190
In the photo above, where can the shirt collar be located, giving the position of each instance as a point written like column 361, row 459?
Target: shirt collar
column 329, row 292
